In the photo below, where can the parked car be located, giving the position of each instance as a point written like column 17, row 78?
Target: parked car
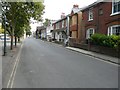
column 7, row 38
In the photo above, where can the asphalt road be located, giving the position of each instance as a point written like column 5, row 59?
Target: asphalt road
column 0, row 65
column 48, row 65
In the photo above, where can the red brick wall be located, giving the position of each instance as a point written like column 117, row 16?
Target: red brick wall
column 54, row 26
column 65, row 22
column 100, row 22
column 60, row 23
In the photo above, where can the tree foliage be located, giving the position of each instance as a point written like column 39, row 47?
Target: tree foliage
column 19, row 14
column 1, row 29
column 46, row 23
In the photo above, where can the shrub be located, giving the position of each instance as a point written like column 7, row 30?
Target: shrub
column 112, row 41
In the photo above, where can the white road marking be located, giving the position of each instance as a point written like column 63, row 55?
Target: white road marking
column 12, row 76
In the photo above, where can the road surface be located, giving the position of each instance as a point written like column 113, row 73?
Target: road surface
column 48, row 65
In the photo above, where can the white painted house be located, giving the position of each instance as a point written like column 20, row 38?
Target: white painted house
column 48, row 30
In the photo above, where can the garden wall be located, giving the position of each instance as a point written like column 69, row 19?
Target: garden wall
column 99, row 49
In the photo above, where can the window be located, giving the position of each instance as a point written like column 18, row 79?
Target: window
column 100, row 11
column 89, row 33
column 114, row 30
column 116, row 6
column 90, row 14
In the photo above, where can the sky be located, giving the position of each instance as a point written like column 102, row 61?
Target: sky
column 54, row 8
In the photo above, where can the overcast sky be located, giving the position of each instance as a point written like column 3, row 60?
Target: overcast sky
column 54, row 8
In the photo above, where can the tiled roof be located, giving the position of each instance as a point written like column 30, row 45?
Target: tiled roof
column 93, row 4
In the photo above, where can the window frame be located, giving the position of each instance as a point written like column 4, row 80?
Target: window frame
column 88, row 31
column 110, row 29
column 90, row 12
column 114, row 13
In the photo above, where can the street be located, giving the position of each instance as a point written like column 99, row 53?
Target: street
column 0, row 65
column 48, row 65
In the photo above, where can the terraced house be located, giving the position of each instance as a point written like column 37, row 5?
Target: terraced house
column 60, row 29
column 101, row 17
column 75, row 25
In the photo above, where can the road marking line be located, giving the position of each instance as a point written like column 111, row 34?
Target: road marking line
column 14, row 69
column 14, row 73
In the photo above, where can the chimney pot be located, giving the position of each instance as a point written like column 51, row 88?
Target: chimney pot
column 74, row 6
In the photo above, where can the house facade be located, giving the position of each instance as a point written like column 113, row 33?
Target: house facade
column 75, row 24
column 48, row 30
column 41, row 32
column 60, row 29
column 101, row 17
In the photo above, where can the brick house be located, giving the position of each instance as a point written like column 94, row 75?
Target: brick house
column 75, row 24
column 60, row 30
column 101, row 17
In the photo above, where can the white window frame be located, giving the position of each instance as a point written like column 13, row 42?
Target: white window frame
column 88, row 32
column 110, row 29
column 114, row 13
column 90, row 14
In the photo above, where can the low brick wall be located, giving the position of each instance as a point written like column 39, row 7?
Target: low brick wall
column 105, row 50
column 82, row 46
column 99, row 49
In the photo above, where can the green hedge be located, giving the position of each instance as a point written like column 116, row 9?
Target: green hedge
column 112, row 41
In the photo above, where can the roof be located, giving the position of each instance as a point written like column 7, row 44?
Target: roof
column 59, row 30
column 62, row 19
column 40, row 27
column 91, row 5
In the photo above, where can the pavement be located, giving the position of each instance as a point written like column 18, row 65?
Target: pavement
column 97, row 55
column 8, row 62
column 0, row 65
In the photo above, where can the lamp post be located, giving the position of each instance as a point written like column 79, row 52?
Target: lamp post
column 4, row 8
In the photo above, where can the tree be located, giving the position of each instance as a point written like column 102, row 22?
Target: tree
column 46, row 23
column 19, row 15
column 1, row 29
column 27, row 29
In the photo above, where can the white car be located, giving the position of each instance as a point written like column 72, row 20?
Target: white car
column 8, row 39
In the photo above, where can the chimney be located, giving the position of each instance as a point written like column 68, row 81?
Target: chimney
column 75, row 6
column 62, row 15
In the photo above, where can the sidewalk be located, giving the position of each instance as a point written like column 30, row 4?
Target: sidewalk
column 8, row 62
column 97, row 55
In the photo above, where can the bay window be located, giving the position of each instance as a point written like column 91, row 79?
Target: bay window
column 114, row 30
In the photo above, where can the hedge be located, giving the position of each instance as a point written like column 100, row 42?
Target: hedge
column 112, row 41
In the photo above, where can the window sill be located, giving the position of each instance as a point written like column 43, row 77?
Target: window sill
column 113, row 14
column 90, row 20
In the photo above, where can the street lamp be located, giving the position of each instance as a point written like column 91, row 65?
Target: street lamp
column 5, row 7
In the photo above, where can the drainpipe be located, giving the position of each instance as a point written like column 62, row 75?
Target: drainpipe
column 68, row 27
column 98, row 19
column 77, row 25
